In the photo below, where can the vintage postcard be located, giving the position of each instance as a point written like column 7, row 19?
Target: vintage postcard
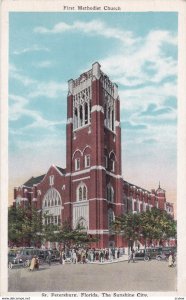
column 93, row 164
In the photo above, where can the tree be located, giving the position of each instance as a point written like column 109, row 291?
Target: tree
column 129, row 225
column 157, row 225
column 24, row 226
column 15, row 221
column 73, row 237
column 154, row 224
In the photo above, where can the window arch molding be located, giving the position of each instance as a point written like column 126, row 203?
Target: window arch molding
column 81, row 192
column 76, row 152
column 112, row 155
column 50, row 197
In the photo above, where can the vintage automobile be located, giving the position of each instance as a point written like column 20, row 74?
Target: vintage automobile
column 154, row 252
column 14, row 259
column 26, row 255
column 141, row 254
column 165, row 252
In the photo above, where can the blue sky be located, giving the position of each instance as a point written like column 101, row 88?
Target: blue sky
column 138, row 51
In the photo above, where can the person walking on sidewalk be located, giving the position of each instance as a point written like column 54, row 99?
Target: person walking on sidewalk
column 132, row 256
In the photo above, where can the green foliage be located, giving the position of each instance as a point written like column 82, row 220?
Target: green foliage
column 24, row 225
column 153, row 224
column 129, row 226
column 73, row 237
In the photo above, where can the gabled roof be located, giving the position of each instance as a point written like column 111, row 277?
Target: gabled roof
column 33, row 180
column 63, row 171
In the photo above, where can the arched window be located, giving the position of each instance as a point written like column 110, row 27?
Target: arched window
column 81, row 115
column 54, row 207
column 75, row 118
column 110, row 193
column 111, row 217
column 112, row 120
column 84, row 193
column 112, row 162
column 109, row 111
column 106, row 155
column 81, row 192
column 86, row 112
column 109, row 119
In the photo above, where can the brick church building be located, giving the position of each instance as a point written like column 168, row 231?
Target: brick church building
column 91, row 190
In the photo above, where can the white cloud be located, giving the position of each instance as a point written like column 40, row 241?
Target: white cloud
column 142, row 62
column 37, row 88
column 19, row 108
column 15, row 73
column 49, row 89
column 46, row 141
column 44, row 64
column 92, row 27
column 34, row 48
column 138, row 99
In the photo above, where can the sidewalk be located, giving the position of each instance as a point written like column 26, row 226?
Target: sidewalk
column 120, row 259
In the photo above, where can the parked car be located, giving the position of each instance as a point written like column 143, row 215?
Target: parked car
column 162, row 256
column 154, row 252
column 141, row 254
column 14, row 259
column 26, row 255
column 165, row 252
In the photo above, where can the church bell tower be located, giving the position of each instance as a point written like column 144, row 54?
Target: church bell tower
column 93, row 174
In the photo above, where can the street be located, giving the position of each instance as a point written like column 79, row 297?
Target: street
column 122, row 276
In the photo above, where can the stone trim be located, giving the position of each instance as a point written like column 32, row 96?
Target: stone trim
column 97, row 108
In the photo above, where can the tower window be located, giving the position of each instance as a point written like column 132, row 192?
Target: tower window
column 82, row 108
column 110, row 193
column 81, row 192
column 81, row 116
column 77, row 164
column 106, row 162
column 75, row 118
column 87, row 161
column 112, row 161
column 112, row 165
column 111, row 217
column 86, row 113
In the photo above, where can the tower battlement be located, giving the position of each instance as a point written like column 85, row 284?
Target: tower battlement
column 85, row 79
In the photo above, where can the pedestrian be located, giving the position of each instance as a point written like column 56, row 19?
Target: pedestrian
column 61, row 257
column 170, row 260
column 101, row 256
column 118, row 253
column 49, row 257
column 115, row 253
column 132, row 256
column 74, row 257
column 84, row 258
column 33, row 263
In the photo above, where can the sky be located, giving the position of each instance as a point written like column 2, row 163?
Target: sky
column 138, row 51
